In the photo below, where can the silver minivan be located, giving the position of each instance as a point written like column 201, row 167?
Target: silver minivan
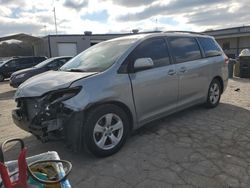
column 97, row 98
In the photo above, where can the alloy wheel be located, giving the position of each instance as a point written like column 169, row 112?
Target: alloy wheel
column 214, row 93
column 108, row 131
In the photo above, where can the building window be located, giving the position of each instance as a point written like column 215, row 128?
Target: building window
column 226, row 46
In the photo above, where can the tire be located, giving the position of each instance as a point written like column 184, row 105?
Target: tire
column 1, row 78
column 214, row 94
column 106, row 130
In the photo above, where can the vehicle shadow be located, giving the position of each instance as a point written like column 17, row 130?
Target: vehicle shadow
column 83, row 162
column 4, row 82
column 7, row 95
column 243, row 80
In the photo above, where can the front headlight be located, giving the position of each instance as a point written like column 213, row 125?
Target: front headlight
column 62, row 95
column 20, row 76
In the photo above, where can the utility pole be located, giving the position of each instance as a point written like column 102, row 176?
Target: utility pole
column 156, row 24
column 54, row 10
column 45, row 29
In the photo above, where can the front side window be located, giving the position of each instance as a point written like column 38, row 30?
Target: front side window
column 99, row 57
column 11, row 63
column 184, row 49
column 61, row 62
column 210, row 47
column 156, row 49
column 53, row 64
column 44, row 63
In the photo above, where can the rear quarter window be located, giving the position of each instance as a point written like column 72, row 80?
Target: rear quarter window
column 210, row 47
column 184, row 49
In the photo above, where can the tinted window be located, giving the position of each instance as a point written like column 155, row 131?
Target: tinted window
column 184, row 49
column 38, row 59
column 11, row 63
column 61, row 62
column 210, row 47
column 156, row 49
column 53, row 64
column 24, row 61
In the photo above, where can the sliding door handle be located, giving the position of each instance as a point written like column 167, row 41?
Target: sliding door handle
column 183, row 69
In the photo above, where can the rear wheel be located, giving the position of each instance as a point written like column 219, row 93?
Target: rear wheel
column 1, row 78
column 214, row 94
column 106, row 130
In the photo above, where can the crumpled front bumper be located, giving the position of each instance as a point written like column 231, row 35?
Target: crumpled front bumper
column 20, row 120
column 65, row 125
column 40, row 131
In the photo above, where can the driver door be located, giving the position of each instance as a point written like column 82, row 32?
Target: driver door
column 156, row 89
column 10, row 67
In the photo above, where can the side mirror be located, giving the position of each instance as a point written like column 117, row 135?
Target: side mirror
column 6, row 65
column 143, row 64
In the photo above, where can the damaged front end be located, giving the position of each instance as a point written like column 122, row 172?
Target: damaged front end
column 47, row 118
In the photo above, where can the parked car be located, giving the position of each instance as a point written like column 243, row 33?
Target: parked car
column 117, row 86
column 50, row 64
column 17, row 63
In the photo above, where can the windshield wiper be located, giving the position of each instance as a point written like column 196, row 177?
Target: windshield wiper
column 74, row 70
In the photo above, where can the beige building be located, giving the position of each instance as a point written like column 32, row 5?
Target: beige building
column 232, row 40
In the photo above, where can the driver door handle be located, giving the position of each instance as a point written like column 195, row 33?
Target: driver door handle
column 171, row 72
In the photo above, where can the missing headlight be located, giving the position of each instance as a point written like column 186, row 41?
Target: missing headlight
column 62, row 95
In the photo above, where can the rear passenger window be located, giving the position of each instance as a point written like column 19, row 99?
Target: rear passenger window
column 38, row 59
column 25, row 61
column 184, row 49
column 156, row 49
column 210, row 47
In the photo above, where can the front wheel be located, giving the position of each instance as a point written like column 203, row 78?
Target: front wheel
column 214, row 94
column 106, row 130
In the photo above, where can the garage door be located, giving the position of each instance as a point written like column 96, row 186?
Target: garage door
column 67, row 49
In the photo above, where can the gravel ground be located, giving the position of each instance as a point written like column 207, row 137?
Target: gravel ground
column 193, row 148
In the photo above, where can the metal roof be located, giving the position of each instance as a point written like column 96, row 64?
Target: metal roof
column 22, row 37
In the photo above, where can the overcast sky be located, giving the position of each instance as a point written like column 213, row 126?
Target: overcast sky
column 114, row 16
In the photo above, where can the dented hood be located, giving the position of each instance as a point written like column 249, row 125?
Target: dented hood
column 49, row 81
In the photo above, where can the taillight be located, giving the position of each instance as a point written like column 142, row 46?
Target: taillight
column 226, row 59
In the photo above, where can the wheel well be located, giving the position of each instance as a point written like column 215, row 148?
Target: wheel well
column 220, row 80
column 120, row 104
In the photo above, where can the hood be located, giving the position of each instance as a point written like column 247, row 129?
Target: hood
column 49, row 81
column 24, row 71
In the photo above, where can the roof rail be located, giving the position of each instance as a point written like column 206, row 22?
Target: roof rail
column 190, row 32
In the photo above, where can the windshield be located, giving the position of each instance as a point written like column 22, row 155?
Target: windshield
column 99, row 57
column 44, row 63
